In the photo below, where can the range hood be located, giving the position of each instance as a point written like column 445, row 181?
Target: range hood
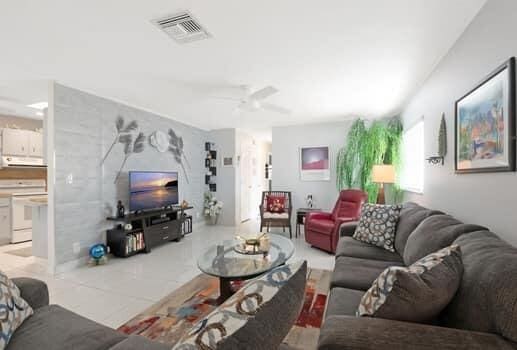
column 22, row 162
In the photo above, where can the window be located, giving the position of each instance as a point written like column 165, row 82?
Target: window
column 412, row 176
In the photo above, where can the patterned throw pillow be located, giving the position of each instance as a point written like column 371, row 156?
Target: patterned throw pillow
column 417, row 293
column 251, row 314
column 378, row 224
column 13, row 309
column 276, row 204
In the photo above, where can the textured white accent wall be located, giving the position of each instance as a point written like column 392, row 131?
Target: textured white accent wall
column 85, row 192
column 485, row 199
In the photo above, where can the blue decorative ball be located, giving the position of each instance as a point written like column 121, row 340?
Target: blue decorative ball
column 98, row 251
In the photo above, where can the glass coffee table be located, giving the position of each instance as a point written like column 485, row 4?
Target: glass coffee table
column 222, row 261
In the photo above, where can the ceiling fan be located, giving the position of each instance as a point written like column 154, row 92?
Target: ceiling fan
column 253, row 101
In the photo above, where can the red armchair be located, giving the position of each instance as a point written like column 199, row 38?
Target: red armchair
column 322, row 229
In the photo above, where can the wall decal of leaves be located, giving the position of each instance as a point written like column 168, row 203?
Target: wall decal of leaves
column 121, row 130
column 130, row 148
column 176, row 148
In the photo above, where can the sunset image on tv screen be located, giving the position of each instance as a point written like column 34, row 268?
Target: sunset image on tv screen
column 149, row 190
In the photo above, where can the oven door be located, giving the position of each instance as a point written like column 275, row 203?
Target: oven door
column 22, row 214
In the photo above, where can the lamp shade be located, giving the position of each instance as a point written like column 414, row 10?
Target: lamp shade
column 383, row 174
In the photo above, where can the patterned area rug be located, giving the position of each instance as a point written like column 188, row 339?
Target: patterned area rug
column 167, row 320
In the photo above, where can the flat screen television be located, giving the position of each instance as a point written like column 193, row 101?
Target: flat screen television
column 152, row 189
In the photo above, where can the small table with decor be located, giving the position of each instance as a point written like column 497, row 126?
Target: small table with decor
column 224, row 261
column 300, row 218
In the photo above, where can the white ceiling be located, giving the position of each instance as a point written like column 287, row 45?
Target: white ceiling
column 330, row 60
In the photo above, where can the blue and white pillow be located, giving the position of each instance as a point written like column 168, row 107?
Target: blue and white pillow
column 13, row 309
column 247, row 303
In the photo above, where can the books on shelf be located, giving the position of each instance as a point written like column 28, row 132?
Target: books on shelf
column 134, row 242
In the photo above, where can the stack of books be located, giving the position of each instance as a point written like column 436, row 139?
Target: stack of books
column 134, row 242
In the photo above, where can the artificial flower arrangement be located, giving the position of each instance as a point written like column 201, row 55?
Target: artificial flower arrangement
column 212, row 206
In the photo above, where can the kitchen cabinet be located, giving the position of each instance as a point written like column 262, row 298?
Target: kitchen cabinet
column 15, row 142
column 22, row 143
column 35, row 144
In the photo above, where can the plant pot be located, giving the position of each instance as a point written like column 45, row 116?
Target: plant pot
column 211, row 220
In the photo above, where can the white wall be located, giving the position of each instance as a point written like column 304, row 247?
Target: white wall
column 286, row 163
column 225, row 142
column 486, row 199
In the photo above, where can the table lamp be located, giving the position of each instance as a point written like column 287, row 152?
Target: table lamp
column 383, row 174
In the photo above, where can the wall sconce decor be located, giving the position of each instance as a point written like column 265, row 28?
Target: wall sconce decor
column 442, row 144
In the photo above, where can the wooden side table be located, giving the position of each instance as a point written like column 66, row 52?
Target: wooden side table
column 300, row 218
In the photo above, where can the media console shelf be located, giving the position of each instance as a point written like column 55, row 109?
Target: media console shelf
column 149, row 229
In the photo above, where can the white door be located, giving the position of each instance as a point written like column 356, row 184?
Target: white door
column 15, row 142
column 35, row 144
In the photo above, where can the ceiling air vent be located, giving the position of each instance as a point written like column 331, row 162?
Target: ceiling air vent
column 182, row 27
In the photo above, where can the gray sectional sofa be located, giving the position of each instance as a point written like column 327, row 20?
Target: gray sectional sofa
column 56, row 328
column 482, row 315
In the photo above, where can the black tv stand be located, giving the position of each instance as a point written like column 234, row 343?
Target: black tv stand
column 149, row 229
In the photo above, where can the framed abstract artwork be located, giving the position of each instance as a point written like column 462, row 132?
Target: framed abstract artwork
column 315, row 163
column 485, row 124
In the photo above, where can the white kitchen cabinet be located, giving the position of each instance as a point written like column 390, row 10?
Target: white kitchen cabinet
column 22, row 143
column 35, row 144
column 5, row 225
column 15, row 142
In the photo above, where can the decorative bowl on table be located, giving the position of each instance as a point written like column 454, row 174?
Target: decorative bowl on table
column 252, row 244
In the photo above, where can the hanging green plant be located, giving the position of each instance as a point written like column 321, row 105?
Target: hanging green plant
column 380, row 144
column 349, row 158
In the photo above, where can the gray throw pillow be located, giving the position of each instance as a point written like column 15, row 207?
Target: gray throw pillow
column 377, row 225
column 14, row 309
column 417, row 293
column 257, row 316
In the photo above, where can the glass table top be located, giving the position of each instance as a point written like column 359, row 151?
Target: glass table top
column 221, row 260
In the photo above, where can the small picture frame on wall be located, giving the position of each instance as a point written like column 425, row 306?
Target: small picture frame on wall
column 315, row 163
column 485, row 124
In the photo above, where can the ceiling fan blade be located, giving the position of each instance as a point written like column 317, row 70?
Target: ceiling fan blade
column 275, row 108
column 263, row 93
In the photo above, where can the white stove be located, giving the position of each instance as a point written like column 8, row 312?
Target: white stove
column 14, row 194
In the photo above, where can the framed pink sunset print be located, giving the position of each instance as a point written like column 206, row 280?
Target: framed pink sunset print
column 315, row 163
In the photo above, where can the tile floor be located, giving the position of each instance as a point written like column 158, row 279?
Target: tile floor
column 113, row 293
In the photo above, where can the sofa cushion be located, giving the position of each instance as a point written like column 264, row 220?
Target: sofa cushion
column 258, row 316
column 410, row 217
column 53, row 327
column 270, row 215
column 377, row 225
column 434, row 233
column 14, row 310
column 322, row 226
column 355, row 273
column 343, row 302
column 417, row 293
column 486, row 300
column 348, row 246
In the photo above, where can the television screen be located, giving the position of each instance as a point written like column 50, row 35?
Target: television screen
column 152, row 190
